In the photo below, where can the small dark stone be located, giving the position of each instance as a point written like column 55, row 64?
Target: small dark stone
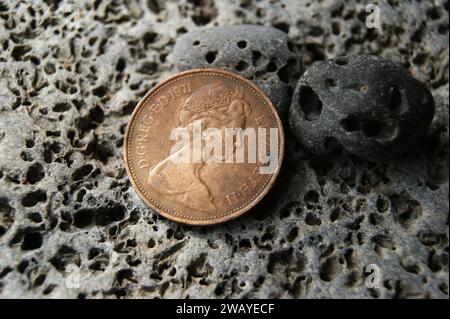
column 256, row 52
column 368, row 105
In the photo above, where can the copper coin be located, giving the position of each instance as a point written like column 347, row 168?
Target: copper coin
column 182, row 157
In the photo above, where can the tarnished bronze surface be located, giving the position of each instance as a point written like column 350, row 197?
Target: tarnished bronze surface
column 200, row 193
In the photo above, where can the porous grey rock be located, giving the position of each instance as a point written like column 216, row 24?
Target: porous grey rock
column 72, row 226
column 259, row 53
column 366, row 104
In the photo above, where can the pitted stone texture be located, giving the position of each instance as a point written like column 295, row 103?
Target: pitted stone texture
column 72, row 226
column 259, row 53
column 366, row 104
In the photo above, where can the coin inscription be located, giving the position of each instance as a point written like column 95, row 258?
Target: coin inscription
column 203, row 146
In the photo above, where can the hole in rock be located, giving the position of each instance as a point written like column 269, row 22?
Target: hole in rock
column 350, row 124
column 32, row 198
column 330, row 82
column 29, row 143
column 82, row 171
column 372, row 128
column 282, row 26
column 106, row 215
column 333, row 145
column 35, row 173
column 32, row 241
column 149, row 37
column 242, row 44
column 341, row 60
column 271, row 66
column 121, row 64
column 64, row 256
column 241, row 66
column 19, row 51
column 283, row 74
column 83, row 218
column 257, row 58
column 395, row 100
column 35, row 217
column 100, row 91
column 311, row 196
column 210, row 56
column 61, row 107
column 310, row 103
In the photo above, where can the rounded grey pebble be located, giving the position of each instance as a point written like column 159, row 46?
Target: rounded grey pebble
column 370, row 106
column 259, row 53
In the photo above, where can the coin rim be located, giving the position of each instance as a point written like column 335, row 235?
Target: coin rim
column 233, row 215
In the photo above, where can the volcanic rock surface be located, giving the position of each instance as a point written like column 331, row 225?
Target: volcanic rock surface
column 72, row 226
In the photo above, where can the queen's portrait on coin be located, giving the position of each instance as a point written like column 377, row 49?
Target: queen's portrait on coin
column 210, row 106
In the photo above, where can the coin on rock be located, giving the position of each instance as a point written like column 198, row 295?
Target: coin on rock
column 203, row 146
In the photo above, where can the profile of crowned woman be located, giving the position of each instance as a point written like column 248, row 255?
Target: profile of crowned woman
column 215, row 106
